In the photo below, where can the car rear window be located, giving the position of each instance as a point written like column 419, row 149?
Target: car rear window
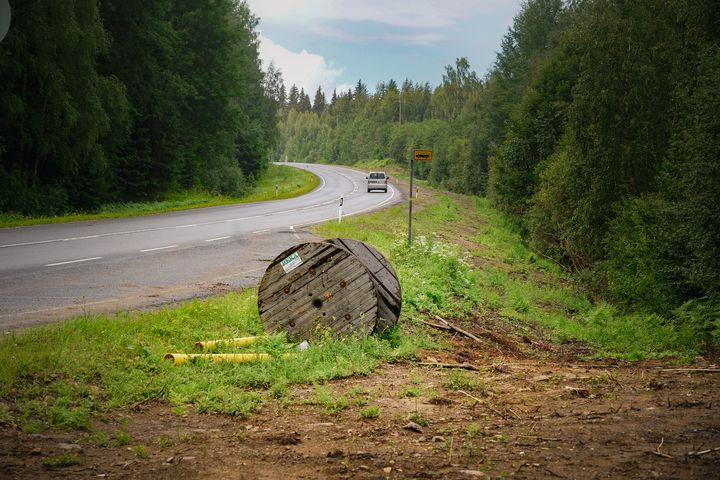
column 377, row 175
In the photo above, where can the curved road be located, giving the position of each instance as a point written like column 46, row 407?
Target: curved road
column 53, row 271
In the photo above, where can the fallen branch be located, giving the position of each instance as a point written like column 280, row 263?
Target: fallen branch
column 457, row 329
column 514, row 413
column 658, row 452
column 465, row 366
column 477, row 400
column 703, row 452
column 441, row 327
column 465, row 333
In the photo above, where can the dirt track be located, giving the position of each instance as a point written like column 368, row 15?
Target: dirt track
column 530, row 411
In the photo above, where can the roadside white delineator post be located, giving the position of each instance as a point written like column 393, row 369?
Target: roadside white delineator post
column 276, row 190
column 340, row 210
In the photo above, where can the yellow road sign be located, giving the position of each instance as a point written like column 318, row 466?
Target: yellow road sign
column 422, row 155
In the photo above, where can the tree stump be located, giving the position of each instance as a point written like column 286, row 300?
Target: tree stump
column 384, row 278
column 317, row 286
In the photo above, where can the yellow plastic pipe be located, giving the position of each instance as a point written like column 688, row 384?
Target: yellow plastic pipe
column 180, row 358
column 238, row 342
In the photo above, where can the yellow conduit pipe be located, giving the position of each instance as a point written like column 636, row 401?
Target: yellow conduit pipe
column 180, row 358
column 238, row 342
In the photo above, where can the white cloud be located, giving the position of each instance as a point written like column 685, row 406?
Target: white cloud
column 423, row 14
column 411, row 38
column 304, row 69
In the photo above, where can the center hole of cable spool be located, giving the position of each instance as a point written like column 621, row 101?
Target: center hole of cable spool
column 317, row 303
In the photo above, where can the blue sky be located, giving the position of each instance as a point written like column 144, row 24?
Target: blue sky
column 333, row 43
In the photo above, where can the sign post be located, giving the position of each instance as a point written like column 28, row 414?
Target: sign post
column 420, row 155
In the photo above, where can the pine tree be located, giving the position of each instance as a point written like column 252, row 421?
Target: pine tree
column 319, row 103
column 293, row 98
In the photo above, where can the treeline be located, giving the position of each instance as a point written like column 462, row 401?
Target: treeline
column 115, row 100
column 597, row 129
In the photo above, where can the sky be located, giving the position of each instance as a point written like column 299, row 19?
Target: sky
column 335, row 43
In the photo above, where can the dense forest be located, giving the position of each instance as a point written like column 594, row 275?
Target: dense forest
column 596, row 130
column 116, row 100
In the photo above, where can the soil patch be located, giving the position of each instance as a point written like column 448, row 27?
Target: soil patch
column 525, row 412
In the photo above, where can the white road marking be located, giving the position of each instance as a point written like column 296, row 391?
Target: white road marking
column 218, row 238
column 292, row 228
column 261, row 231
column 157, row 248
column 72, row 261
column 355, row 185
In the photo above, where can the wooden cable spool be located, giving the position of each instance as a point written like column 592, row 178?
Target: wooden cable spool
column 315, row 286
column 337, row 286
column 384, row 278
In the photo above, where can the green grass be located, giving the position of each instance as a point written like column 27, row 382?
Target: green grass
column 503, row 278
column 62, row 460
column 370, row 412
column 291, row 182
column 59, row 376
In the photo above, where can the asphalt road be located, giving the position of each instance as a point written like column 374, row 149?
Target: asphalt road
column 48, row 272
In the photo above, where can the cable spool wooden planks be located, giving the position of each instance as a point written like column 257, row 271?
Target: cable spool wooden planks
column 316, row 286
column 384, row 278
column 341, row 285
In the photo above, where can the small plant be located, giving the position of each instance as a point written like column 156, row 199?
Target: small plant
column 473, row 430
column 359, row 394
column 164, row 441
column 278, row 389
column 458, row 380
column 325, row 398
column 140, row 451
column 121, row 438
column 418, row 418
column 99, row 438
column 413, row 392
column 370, row 412
column 64, row 460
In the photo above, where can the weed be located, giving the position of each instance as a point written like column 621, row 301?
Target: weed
column 370, row 412
column 140, row 451
column 418, row 418
column 326, row 399
column 473, row 430
column 121, row 438
column 410, row 392
column 63, row 460
column 99, row 438
column 459, row 380
column 164, row 441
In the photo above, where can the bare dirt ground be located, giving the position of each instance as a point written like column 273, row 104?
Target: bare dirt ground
column 530, row 410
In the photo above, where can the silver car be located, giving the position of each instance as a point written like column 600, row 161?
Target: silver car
column 377, row 181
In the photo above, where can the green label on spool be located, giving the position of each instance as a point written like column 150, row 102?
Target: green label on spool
column 291, row 263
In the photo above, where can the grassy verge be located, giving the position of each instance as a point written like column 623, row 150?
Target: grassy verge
column 291, row 182
column 466, row 262
column 469, row 262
